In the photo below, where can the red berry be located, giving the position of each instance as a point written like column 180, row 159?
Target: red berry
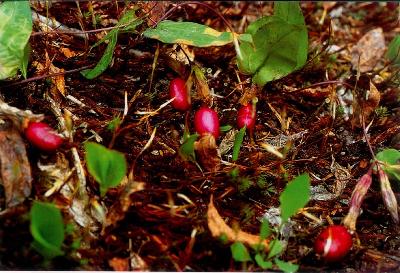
column 246, row 116
column 177, row 90
column 333, row 243
column 206, row 122
column 42, row 136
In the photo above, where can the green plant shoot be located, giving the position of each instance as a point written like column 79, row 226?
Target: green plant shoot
column 108, row 167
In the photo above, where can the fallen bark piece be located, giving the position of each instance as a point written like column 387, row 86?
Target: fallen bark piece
column 218, row 227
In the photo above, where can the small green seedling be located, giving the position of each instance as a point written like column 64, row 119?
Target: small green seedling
column 127, row 23
column 107, row 166
column 47, row 229
column 294, row 197
column 238, row 143
column 186, row 151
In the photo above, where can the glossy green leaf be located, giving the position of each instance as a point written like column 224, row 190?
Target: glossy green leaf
column 295, row 196
column 108, row 167
column 239, row 252
column 188, row 33
column 15, row 30
column 286, row 267
column 186, row 151
column 261, row 262
column 47, row 229
column 280, row 45
column 393, row 52
column 276, row 248
column 238, row 143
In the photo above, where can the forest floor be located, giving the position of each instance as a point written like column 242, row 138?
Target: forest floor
column 159, row 222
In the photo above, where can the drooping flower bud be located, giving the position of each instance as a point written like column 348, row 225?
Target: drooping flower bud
column 388, row 195
column 357, row 197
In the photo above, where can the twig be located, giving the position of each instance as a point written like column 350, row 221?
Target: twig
column 48, row 75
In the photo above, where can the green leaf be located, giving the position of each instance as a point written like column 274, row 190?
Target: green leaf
column 186, row 150
column 265, row 230
column 261, row 262
column 15, row 30
column 108, row 167
column 286, row 266
column 47, row 229
column 389, row 156
column 104, row 61
column 289, row 11
column 276, row 248
column 393, row 52
column 239, row 252
column 114, row 124
column 188, row 33
column 238, row 143
column 129, row 21
column 225, row 128
column 280, row 45
column 295, row 196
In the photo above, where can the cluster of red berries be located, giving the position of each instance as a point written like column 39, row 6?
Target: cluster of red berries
column 206, row 120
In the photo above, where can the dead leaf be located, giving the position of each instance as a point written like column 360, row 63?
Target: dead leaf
column 119, row 264
column 207, row 152
column 155, row 11
column 15, row 171
column 218, row 227
column 368, row 51
column 203, row 91
column 118, row 209
column 68, row 52
column 365, row 105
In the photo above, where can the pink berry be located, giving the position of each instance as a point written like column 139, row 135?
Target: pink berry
column 40, row 135
column 246, row 116
column 333, row 243
column 178, row 90
column 206, row 122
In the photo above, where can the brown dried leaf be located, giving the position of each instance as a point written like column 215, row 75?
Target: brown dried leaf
column 218, row 227
column 119, row 264
column 207, row 152
column 366, row 105
column 118, row 209
column 15, row 171
column 369, row 50
column 155, row 10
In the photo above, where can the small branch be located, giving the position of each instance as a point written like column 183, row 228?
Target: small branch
column 48, row 76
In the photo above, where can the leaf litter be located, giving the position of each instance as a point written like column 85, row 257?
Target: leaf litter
column 162, row 216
